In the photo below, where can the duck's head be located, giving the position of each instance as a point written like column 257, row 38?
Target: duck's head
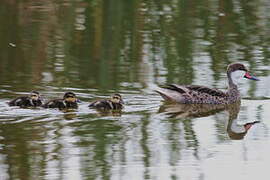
column 117, row 98
column 238, row 70
column 70, row 97
column 34, row 95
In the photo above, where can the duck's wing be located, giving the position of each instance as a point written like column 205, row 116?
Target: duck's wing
column 53, row 103
column 173, row 93
column 206, row 90
column 189, row 93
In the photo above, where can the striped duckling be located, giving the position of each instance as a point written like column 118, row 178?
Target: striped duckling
column 32, row 100
column 114, row 103
column 69, row 101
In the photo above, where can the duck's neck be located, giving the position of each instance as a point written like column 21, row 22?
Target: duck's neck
column 232, row 85
column 233, row 91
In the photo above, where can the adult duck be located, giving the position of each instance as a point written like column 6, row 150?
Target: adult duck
column 32, row 100
column 194, row 94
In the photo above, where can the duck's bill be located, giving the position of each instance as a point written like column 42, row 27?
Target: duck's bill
column 249, row 76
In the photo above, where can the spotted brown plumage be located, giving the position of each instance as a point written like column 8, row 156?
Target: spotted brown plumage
column 114, row 103
column 32, row 100
column 195, row 94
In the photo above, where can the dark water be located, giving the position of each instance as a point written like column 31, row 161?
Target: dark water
column 95, row 48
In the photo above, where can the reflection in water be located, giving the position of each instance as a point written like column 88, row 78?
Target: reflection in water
column 108, row 112
column 191, row 110
column 234, row 130
column 97, row 141
column 69, row 114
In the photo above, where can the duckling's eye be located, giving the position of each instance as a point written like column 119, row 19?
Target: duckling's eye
column 34, row 95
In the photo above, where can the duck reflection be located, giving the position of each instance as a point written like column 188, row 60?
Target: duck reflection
column 235, row 130
column 102, row 113
column 70, row 115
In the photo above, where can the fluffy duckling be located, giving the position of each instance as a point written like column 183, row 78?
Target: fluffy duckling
column 114, row 103
column 69, row 101
column 32, row 100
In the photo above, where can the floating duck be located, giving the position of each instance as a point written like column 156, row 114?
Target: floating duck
column 32, row 100
column 194, row 94
column 69, row 101
column 114, row 103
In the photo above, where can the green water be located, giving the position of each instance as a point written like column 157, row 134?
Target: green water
column 95, row 48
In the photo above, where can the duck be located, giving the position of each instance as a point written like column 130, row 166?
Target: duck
column 69, row 101
column 32, row 100
column 197, row 94
column 114, row 103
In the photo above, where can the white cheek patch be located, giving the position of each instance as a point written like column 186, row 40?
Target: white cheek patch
column 237, row 76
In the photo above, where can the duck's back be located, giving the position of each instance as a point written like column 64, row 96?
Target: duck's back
column 193, row 94
column 55, row 103
column 60, row 104
column 19, row 101
column 25, row 101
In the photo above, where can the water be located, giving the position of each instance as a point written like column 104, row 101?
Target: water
column 96, row 48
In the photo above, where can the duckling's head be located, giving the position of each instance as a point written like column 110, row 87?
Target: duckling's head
column 34, row 95
column 117, row 98
column 70, row 97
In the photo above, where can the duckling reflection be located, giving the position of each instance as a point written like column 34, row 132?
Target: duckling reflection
column 235, row 131
column 102, row 113
column 69, row 114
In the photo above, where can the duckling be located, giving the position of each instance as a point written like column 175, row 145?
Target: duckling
column 32, row 100
column 69, row 101
column 114, row 103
